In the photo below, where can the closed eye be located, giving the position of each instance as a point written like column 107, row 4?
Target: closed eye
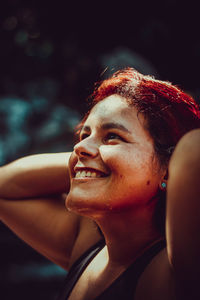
column 109, row 136
column 113, row 136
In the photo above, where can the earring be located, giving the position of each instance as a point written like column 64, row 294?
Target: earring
column 164, row 185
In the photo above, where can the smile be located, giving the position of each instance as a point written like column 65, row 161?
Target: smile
column 92, row 173
column 83, row 174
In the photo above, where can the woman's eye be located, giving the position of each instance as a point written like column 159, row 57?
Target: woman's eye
column 109, row 136
column 113, row 136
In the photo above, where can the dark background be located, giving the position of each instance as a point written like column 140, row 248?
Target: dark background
column 51, row 53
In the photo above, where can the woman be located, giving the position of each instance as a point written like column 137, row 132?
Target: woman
column 109, row 232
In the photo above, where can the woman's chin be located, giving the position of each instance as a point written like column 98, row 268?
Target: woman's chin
column 84, row 206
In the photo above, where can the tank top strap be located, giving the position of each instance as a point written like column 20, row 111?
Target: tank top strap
column 78, row 267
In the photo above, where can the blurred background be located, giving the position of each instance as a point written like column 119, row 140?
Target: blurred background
column 51, row 54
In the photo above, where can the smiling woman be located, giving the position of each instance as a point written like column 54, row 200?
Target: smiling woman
column 108, row 147
column 121, row 179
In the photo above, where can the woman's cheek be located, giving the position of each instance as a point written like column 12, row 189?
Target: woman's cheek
column 116, row 157
column 109, row 153
column 126, row 159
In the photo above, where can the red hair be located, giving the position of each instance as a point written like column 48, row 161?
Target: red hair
column 169, row 112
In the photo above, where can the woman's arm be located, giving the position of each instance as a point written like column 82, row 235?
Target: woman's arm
column 183, row 212
column 35, row 175
column 32, row 204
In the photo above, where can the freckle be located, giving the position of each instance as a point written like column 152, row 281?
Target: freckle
column 148, row 182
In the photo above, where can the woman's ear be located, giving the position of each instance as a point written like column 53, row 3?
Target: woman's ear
column 163, row 181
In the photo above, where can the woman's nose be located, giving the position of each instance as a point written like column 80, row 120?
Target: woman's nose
column 86, row 148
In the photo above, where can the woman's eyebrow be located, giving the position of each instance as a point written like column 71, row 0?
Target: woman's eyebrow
column 113, row 125
column 105, row 126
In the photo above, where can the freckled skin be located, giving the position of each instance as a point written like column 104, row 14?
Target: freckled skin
column 134, row 172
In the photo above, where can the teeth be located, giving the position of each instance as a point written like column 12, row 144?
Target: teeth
column 83, row 174
column 93, row 174
column 78, row 174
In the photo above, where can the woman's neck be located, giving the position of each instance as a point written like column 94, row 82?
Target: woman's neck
column 127, row 235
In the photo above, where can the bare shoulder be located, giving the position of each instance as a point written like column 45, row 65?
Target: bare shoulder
column 157, row 281
column 88, row 236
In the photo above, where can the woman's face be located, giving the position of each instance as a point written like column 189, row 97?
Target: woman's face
column 113, row 167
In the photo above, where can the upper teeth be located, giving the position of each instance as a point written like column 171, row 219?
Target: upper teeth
column 87, row 174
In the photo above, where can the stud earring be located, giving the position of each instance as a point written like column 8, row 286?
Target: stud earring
column 163, row 184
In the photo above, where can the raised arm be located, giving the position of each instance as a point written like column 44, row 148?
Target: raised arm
column 35, row 175
column 32, row 204
column 183, row 214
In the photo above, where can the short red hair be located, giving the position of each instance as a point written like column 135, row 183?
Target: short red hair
column 169, row 112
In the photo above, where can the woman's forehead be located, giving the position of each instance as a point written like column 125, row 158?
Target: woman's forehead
column 116, row 110
column 111, row 107
column 110, row 101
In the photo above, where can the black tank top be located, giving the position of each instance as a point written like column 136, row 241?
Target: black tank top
column 124, row 286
